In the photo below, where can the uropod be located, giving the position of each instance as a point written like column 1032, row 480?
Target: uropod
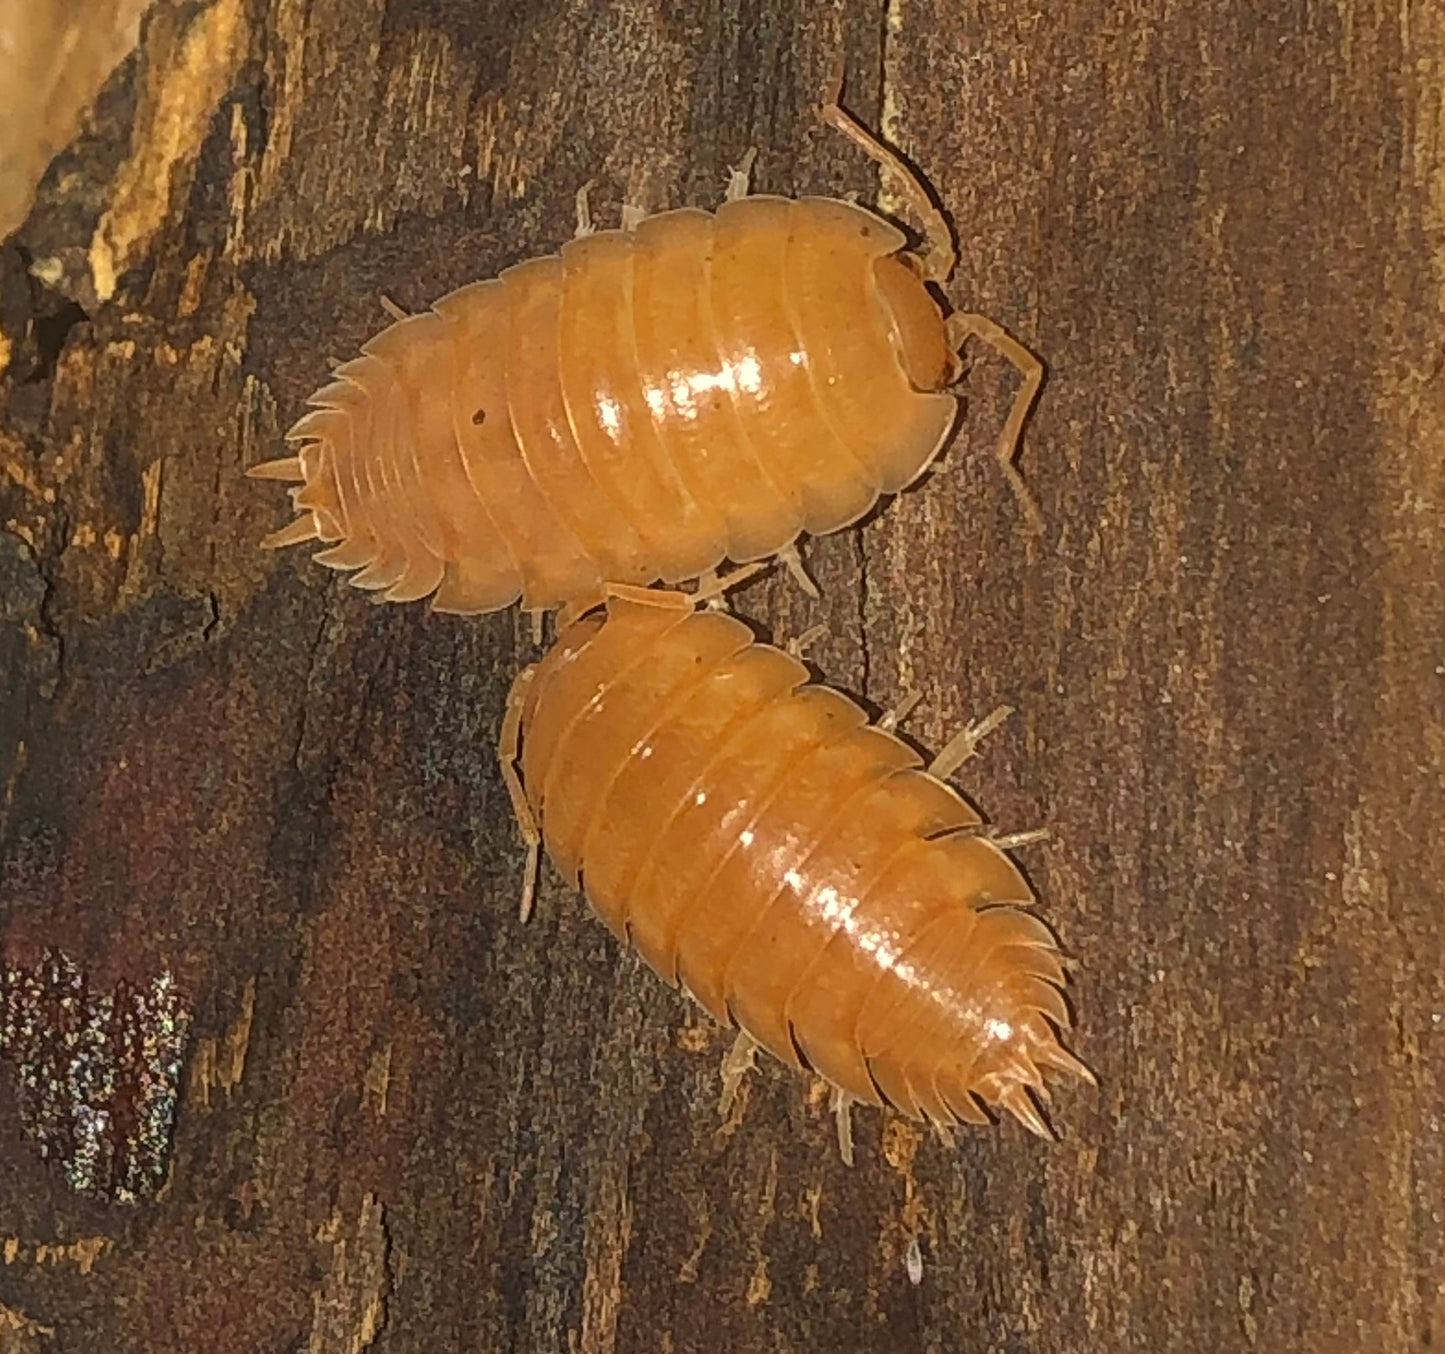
column 795, row 868
column 648, row 403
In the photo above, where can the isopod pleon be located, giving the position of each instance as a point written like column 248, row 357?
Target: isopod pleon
column 643, row 405
column 792, row 866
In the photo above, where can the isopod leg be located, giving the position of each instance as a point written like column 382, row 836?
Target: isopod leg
column 942, row 1131
column 508, row 748
column 965, row 743
column 737, row 1062
column 800, row 644
column 793, row 562
column 966, row 325
column 1009, row 841
column 740, row 179
column 711, row 591
column 715, row 585
column 894, row 717
column 669, row 599
column 584, row 212
column 841, row 1105
column 942, row 254
column 392, row 309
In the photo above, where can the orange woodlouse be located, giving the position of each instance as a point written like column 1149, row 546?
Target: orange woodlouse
column 642, row 406
column 758, row 841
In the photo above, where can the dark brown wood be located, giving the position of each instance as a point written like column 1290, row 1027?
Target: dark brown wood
column 407, row 1122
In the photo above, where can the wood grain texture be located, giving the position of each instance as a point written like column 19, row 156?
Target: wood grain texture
column 53, row 59
column 406, row 1122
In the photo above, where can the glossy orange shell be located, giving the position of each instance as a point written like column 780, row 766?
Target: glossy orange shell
column 640, row 407
column 795, row 868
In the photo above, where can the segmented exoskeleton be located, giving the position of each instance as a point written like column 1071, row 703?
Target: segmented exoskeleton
column 795, row 868
column 642, row 406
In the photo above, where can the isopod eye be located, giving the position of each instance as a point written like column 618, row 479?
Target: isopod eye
column 479, row 418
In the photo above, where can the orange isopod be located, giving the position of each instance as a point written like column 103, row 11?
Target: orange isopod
column 793, row 866
column 646, row 404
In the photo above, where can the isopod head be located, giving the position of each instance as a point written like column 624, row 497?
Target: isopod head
column 920, row 335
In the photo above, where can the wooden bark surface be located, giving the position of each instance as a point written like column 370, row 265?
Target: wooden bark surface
column 408, row 1123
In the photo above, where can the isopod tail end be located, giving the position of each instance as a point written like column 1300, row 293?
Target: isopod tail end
column 354, row 554
column 1018, row 1102
column 1056, row 1056
column 312, row 426
column 285, row 468
column 301, row 530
